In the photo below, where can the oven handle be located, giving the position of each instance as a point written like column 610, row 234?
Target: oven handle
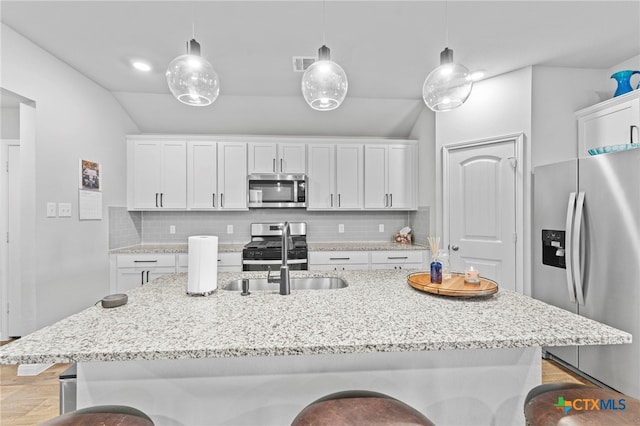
column 272, row 262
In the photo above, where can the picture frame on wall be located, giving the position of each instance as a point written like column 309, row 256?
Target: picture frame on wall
column 90, row 176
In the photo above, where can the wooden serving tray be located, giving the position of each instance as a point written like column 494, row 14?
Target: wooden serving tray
column 455, row 286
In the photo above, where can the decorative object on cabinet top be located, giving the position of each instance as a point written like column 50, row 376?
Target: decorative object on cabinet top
column 623, row 78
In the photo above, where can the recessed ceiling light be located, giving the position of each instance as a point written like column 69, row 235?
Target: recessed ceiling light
column 141, row 66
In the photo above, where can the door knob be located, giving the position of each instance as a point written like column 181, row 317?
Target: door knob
column 454, row 247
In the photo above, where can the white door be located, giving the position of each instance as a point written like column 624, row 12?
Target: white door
column 262, row 157
column 174, row 175
column 293, row 158
column 401, row 177
column 232, row 175
column 375, row 176
column 147, row 157
column 482, row 210
column 350, row 176
column 321, row 179
column 202, row 174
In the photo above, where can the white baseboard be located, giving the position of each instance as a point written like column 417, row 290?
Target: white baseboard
column 32, row 369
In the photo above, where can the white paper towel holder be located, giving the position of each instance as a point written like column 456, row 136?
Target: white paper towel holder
column 194, row 266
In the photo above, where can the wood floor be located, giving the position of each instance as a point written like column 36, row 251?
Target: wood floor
column 30, row 400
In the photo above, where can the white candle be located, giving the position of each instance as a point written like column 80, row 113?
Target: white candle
column 471, row 275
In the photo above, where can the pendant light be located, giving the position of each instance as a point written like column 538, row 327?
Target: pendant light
column 449, row 85
column 324, row 83
column 192, row 79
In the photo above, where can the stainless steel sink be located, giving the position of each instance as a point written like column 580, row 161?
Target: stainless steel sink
column 297, row 283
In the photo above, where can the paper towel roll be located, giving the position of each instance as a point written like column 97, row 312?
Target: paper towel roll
column 202, row 270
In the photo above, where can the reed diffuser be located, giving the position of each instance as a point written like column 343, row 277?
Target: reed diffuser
column 436, row 265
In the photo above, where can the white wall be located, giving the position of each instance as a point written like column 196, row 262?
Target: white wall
column 423, row 132
column 75, row 118
column 9, row 123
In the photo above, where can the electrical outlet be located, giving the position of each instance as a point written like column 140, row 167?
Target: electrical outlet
column 172, row 229
column 229, row 229
column 381, row 227
column 340, row 228
column 51, row 209
column 64, row 209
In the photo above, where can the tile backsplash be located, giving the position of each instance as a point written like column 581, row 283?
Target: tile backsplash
column 130, row 228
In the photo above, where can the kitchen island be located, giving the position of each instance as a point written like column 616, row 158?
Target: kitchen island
column 259, row 359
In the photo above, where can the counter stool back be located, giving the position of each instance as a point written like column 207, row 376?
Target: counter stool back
column 358, row 407
column 105, row 415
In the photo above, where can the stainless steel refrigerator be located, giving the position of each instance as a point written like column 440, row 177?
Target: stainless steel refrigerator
column 586, row 231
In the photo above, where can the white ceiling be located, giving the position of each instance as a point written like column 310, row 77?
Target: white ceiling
column 387, row 48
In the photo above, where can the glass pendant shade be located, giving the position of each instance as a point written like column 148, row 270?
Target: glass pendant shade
column 192, row 79
column 448, row 86
column 324, row 83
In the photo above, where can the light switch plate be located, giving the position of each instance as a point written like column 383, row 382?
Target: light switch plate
column 172, row 229
column 51, row 209
column 64, row 209
column 381, row 227
column 340, row 228
column 229, row 229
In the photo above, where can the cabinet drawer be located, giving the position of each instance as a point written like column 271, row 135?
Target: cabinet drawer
column 338, row 257
column 228, row 259
column 396, row 257
column 146, row 260
column 378, row 266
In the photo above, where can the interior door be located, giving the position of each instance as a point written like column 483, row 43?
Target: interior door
column 482, row 210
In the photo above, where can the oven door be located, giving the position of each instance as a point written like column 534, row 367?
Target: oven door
column 274, row 265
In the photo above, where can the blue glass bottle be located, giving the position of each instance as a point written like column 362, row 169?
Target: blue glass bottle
column 436, row 272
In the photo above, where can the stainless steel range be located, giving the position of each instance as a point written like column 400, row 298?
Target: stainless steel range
column 264, row 251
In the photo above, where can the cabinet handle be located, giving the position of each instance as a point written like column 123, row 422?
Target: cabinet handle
column 386, row 200
column 221, row 199
column 144, row 261
column 339, row 200
column 390, row 198
column 274, row 165
column 213, row 199
column 339, row 258
column 156, row 199
column 397, row 257
column 142, row 278
column 281, row 166
column 331, row 200
column 147, row 276
column 631, row 132
column 161, row 194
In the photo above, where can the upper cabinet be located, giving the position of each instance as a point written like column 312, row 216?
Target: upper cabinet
column 390, row 177
column 336, row 176
column 612, row 122
column 271, row 157
column 157, row 174
column 216, row 175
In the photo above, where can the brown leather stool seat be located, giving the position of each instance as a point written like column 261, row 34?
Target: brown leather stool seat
column 359, row 407
column 104, row 415
column 573, row 404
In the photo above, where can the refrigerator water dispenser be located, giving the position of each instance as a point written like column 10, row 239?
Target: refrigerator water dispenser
column 553, row 248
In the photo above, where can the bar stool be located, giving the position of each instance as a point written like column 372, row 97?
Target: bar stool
column 105, row 415
column 576, row 404
column 358, row 407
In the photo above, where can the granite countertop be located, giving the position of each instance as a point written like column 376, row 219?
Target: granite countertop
column 377, row 312
column 236, row 247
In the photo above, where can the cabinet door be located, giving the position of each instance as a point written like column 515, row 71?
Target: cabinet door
column 349, row 176
column 147, row 158
column 375, row 176
column 401, row 177
column 129, row 278
column 174, row 175
column 262, row 157
column 232, row 175
column 321, row 177
column 202, row 174
column 292, row 158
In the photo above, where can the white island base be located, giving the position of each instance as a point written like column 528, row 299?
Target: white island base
column 454, row 387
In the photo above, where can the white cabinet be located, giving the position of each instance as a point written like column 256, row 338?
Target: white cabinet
column 227, row 262
column 335, row 177
column 133, row 270
column 398, row 259
column 338, row 260
column 612, row 122
column 157, row 174
column 390, row 177
column 270, row 157
column 217, row 175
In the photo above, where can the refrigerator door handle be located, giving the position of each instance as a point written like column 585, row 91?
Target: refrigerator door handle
column 577, row 225
column 569, row 245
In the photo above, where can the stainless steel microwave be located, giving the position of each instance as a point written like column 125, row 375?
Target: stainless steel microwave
column 277, row 191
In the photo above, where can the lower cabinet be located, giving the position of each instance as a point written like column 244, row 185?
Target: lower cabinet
column 227, row 262
column 338, row 260
column 398, row 259
column 133, row 270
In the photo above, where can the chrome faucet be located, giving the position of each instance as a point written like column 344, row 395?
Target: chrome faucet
column 285, row 284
